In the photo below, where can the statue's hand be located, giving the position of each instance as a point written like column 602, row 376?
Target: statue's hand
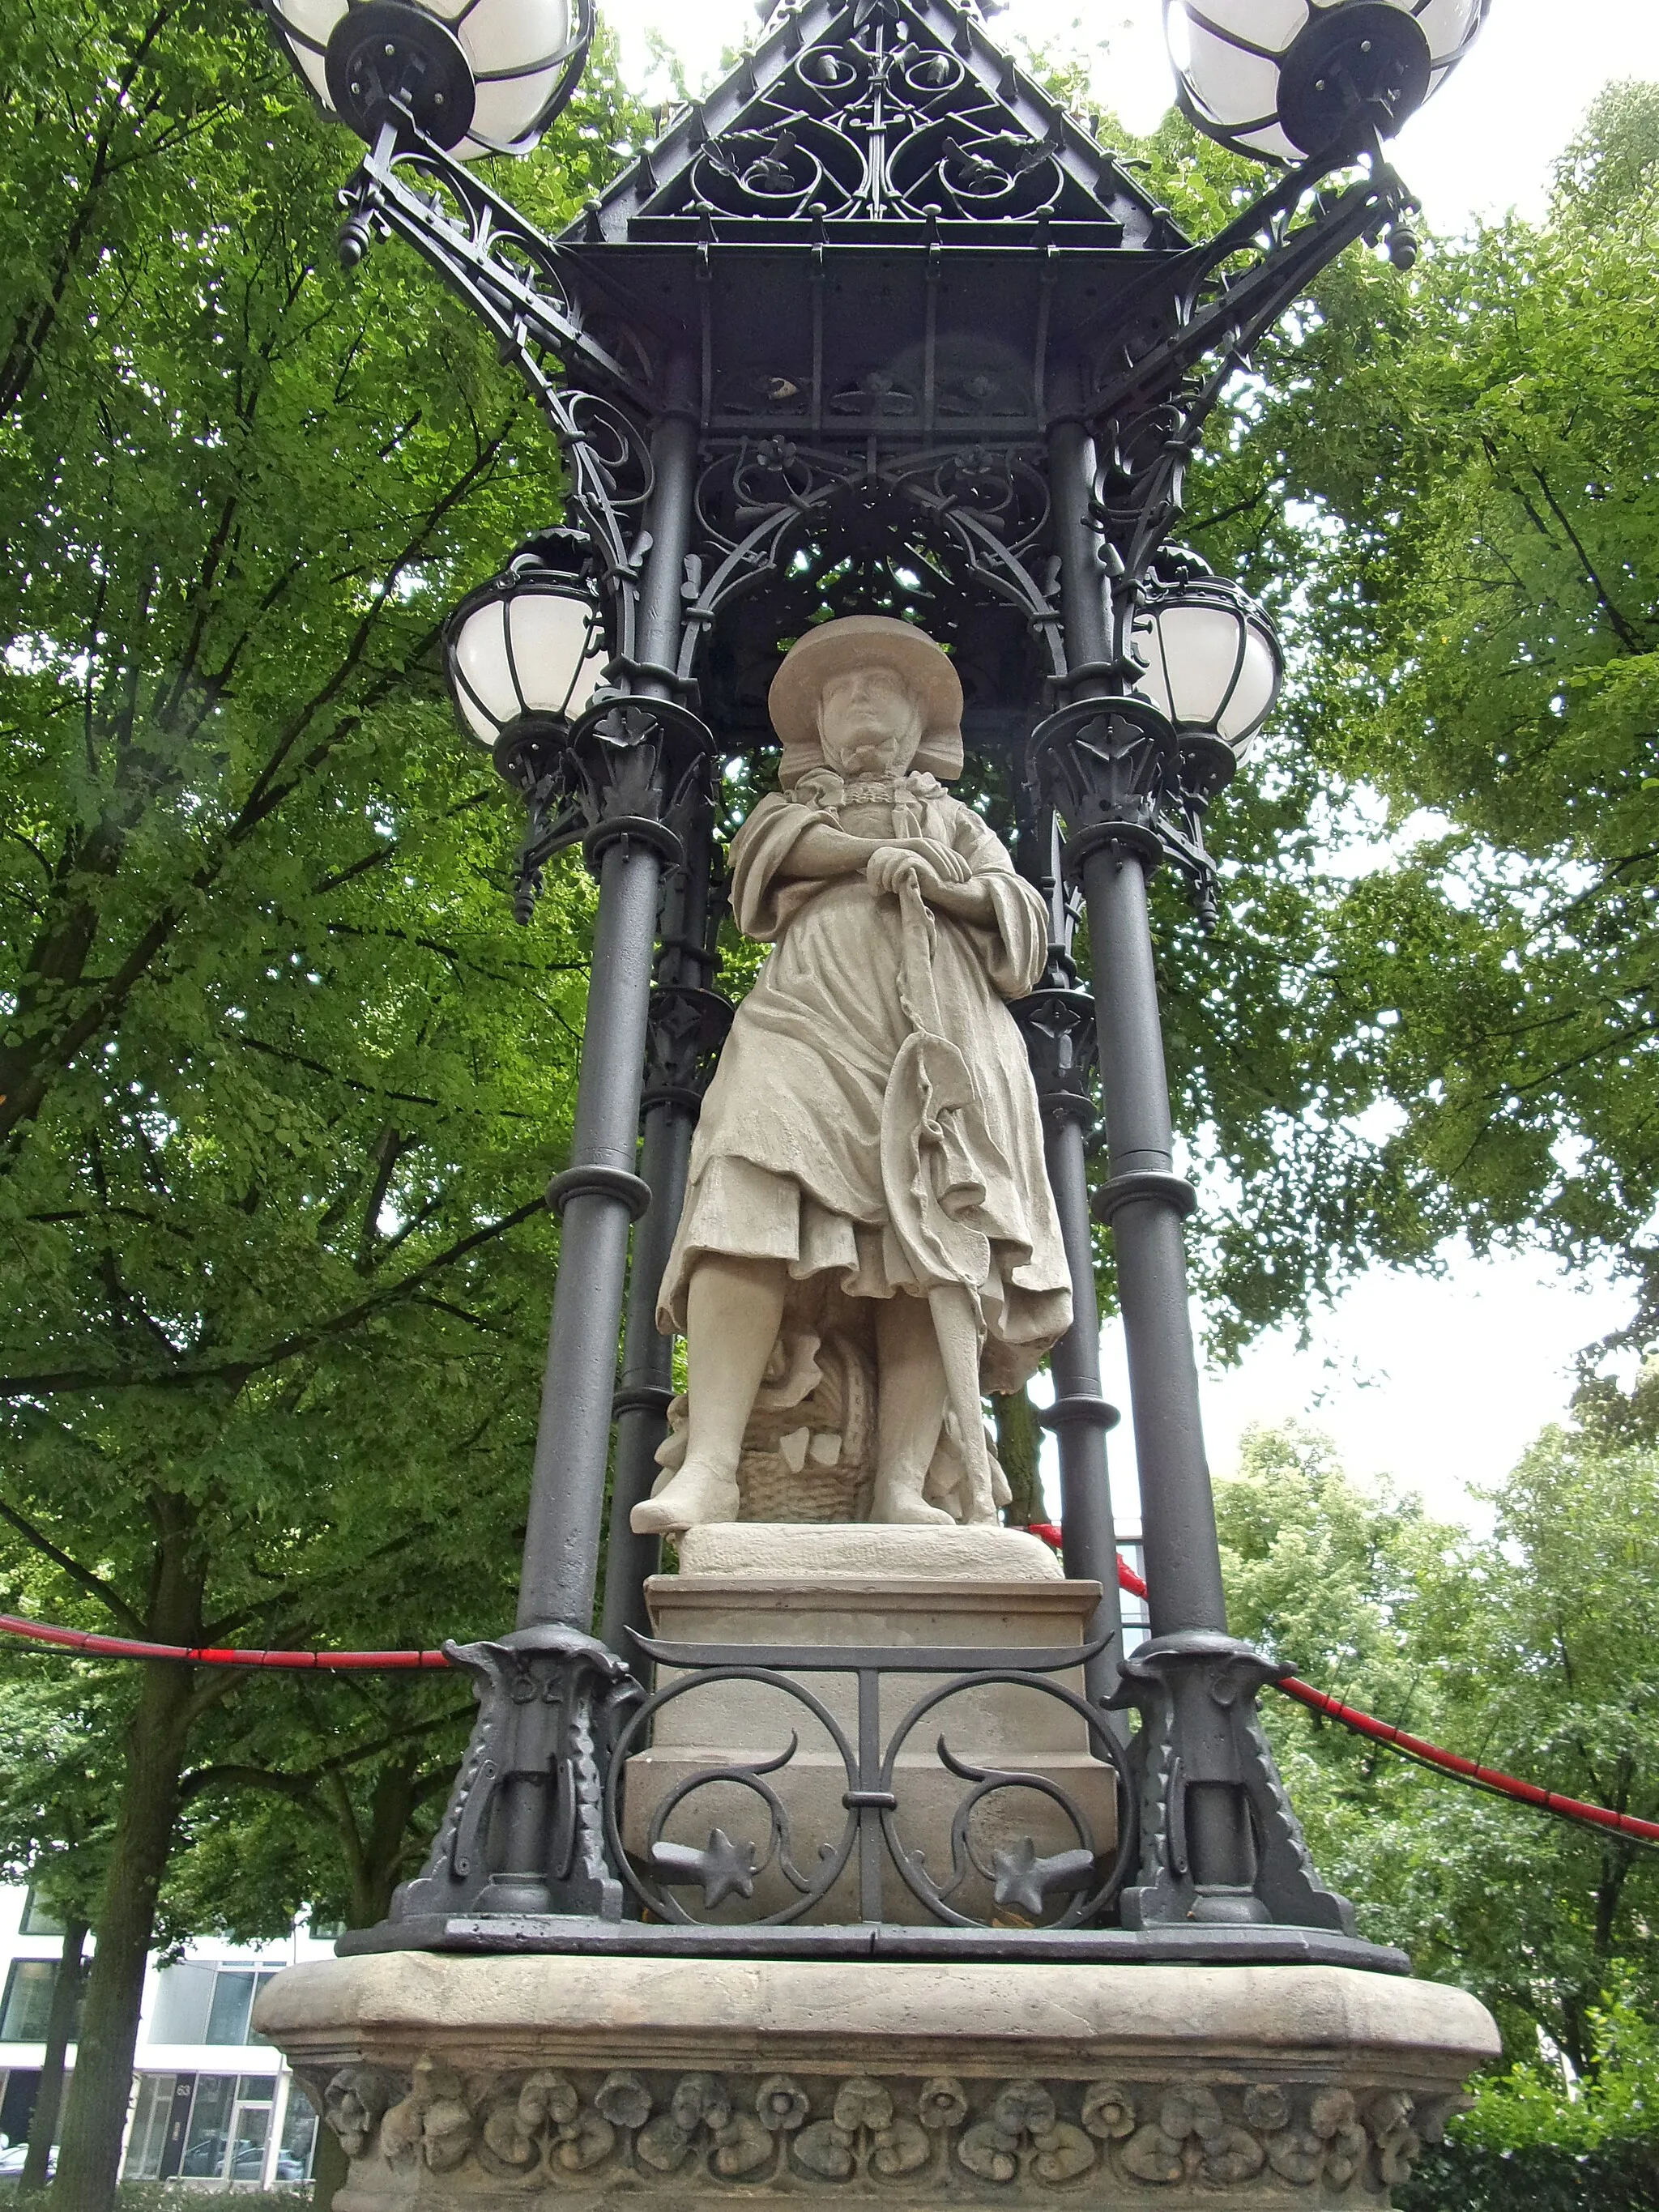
column 929, row 863
column 893, row 866
column 968, row 899
column 945, row 862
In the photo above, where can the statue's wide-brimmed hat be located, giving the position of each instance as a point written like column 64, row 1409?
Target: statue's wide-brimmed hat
column 854, row 641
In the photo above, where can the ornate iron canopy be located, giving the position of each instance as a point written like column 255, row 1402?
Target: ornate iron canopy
column 886, row 266
column 875, row 326
column 884, row 241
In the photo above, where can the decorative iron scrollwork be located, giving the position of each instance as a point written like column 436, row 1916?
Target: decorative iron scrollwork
column 1074, row 1886
column 875, row 125
column 1021, row 1878
column 722, row 1868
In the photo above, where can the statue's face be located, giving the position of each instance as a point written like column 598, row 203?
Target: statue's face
column 868, row 723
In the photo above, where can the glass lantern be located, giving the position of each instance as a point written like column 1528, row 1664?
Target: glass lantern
column 479, row 76
column 1211, row 666
column 1279, row 79
column 525, row 652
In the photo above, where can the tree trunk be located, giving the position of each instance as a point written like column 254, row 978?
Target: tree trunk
column 330, row 2167
column 1019, row 1440
column 100, row 2087
column 60, row 2027
column 376, row 1861
column 399, row 1791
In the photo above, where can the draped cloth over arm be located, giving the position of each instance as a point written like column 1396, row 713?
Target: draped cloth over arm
column 873, row 1119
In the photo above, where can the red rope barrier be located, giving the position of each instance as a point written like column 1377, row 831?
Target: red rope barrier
column 1319, row 1701
column 1412, row 1746
column 125, row 1647
column 1466, row 1770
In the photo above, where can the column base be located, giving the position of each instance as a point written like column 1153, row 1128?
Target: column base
column 464, row 2085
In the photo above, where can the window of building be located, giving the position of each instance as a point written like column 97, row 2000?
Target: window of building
column 183, row 1995
column 229, row 2127
column 17, row 2105
column 36, row 1920
column 28, row 2001
column 198, row 2003
column 231, row 2013
column 208, row 2142
column 251, row 2127
column 297, row 2147
column 147, row 2139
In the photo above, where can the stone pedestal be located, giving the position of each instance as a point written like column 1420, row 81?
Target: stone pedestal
column 987, row 1594
column 474, row 2084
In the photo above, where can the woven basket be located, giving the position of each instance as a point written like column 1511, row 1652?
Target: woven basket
column 772, row 1490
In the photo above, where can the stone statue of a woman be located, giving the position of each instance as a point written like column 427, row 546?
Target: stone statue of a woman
column 868, row 1169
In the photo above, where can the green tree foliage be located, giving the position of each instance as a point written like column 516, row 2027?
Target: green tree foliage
column 1427, row 1009
column 1465, row 2177
column 280, row 1085
column 1531, row 1650
column 1456, row 472
column 1531, row 2142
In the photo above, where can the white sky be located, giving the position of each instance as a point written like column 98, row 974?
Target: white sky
column 1440, row 1383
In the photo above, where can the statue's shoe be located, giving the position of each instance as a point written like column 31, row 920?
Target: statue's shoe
column 695, row 1496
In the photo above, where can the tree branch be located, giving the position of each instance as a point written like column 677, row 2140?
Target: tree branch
column 237, row 1371
column 106, row 1592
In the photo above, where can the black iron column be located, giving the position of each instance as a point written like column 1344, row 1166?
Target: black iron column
column 1057, row 1020
column 523, row 1834
column 1220, row 1844
column 599, row 1194
column 1144, row 1201
column 688, row 1022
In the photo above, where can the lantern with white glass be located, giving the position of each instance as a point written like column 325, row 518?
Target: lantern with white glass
column 1210, row 664
column 474, row 76
column 526, row 653
column 1281, row 79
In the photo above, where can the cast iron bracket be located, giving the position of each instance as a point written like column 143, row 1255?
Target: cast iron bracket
column 523, row 1831
column 1203, row 1758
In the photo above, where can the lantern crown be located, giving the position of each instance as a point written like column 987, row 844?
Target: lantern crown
column 478, row 76
column 1279, row 79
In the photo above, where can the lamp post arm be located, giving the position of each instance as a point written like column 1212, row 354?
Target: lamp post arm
column 1148, row 413
column 511, row 275
column 1237, row 316
column 1269, row 225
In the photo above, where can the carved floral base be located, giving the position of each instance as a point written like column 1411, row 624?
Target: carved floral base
column 484, row 2082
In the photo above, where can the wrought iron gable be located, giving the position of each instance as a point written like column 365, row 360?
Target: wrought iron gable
column 876, row 230
column 877, row 117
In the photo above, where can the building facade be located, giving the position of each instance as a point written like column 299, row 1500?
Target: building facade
column 212, row 2104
